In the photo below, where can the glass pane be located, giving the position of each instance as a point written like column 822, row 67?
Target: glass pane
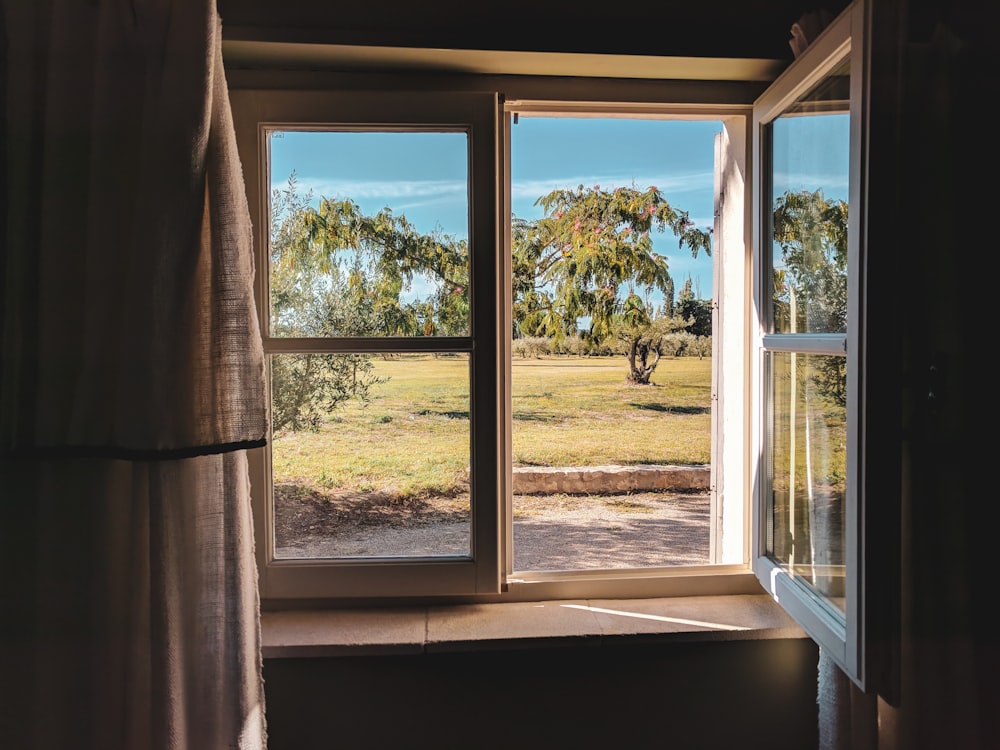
column 369, row 233
column 611, row 372
column 810, row 148
column 809, row 435
column 370, row 455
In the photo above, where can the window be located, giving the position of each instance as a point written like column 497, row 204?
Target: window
column 439, row 294
column 343, row 294
column 807, row 131
column 416, row 296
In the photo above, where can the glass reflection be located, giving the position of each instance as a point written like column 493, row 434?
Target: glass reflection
column 368, row 451
column 364, row 239
column 810, row 148
column 809, row 468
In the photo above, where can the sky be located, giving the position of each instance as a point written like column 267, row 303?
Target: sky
column 812, row 153
column 424, row 175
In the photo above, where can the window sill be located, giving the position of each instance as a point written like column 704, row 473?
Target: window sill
column 520, row 625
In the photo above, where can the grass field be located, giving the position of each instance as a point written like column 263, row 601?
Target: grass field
column 412, row 438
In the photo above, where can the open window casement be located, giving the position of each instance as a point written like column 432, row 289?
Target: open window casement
column 808, row 367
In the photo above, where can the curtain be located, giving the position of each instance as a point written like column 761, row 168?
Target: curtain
column 848, row 718
column 136, row 624
column 131, row 384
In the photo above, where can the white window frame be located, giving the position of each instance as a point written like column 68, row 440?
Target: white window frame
column 841, row 635
column 488, row 575
column 476, row 114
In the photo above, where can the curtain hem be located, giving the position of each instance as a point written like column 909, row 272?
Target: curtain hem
column 128, row 454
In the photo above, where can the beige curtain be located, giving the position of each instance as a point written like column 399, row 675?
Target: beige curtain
column 131, row 384
column 136, row 605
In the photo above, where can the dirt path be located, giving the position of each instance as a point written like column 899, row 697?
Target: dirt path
column 552, row 532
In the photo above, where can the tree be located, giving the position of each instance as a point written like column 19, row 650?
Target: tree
column 588, row 258
column 810, row 291
column 811, row 233
column 312, row 297
column 338, row 272
column 386, row 252
column 645, row 337
column 699, row 311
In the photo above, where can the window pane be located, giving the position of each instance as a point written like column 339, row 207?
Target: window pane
column 370, row 455
column 809, row 437
column 369, row 233
column 810, row 165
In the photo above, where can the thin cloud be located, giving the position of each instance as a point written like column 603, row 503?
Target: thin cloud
column 413, row 190
column 691, row 182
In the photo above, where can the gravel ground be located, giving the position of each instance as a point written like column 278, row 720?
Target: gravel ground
column 552, row 532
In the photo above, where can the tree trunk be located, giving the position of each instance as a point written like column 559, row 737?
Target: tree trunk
column 639, row 368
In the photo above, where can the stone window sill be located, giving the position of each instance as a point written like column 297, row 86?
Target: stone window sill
column 519, row 625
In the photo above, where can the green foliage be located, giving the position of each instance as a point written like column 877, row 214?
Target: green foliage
column 337, row 272
column 811, row 233
column 698, row 311
column 698, row 346
column 810, row 292
column 531, row 346
column 311, row 297
column 646, row 338
column 385, row 253
column 306, row 388
column 589, row 257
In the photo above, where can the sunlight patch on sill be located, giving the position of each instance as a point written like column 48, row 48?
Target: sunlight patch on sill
column 658, row 618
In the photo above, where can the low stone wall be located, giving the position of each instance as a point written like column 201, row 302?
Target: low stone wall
column 598, row 480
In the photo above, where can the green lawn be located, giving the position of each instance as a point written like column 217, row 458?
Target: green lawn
column 412, row 438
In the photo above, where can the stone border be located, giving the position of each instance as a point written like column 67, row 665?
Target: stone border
column 603, row 480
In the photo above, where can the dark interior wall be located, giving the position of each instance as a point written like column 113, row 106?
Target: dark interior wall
column 725, row 28
column 950, row 644
column 745, row 694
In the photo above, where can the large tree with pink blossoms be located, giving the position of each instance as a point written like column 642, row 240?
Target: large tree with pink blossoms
column 590, row 260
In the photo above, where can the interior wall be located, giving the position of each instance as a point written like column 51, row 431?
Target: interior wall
column 745, row 694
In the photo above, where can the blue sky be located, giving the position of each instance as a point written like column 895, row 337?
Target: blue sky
column 812, row 152
column 424, row 175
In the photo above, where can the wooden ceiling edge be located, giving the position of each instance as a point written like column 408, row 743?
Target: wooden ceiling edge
column 284, row 55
